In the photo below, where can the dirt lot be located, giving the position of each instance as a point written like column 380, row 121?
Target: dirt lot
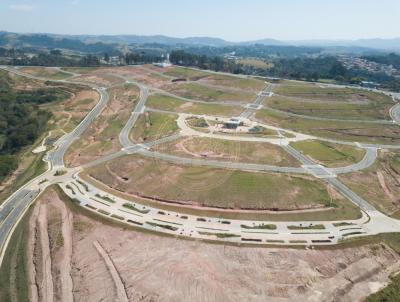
column 68, row 114
column 102, row 136
column 102, row 77
column 250, row 152
column 99, row 261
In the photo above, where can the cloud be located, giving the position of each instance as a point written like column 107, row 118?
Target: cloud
column 21, row 7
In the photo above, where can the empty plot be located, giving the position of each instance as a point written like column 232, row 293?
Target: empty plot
column 340, row 130
column 101, row 138
column 362, row 110
column 235, row 151
column 330, row 154
column 379, row 184
column 187, row 73
column 310, row 91
column 235, row 82
column 153, row 125
column 212, row 187
column 50, row 73
column 168, row 103
column 201, row 92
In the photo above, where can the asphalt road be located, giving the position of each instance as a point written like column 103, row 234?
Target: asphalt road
column 11, row 211
column 139, row 109
column 13, row 208
column 367, row 161
column 258, row 101
column 56, row 157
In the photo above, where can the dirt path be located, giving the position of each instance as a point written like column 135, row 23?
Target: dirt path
column 46, row 288
column 384, row 187
column 121, row 293
column 33, row 290
column 65, row 262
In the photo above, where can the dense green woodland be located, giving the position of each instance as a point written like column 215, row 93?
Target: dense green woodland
column 21, row 119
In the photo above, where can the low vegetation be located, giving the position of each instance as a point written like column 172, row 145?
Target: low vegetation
column 134, row 208
column 220, row 188
column 306, row 227
column 153, row 125
column 259, row 226
column 340, row 130
column 168, row 103
column 330, row 154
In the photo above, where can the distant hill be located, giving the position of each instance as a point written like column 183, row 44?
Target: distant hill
column 383, row 44
column 98, row 43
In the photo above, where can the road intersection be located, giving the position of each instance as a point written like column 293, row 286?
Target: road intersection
column 95, row 199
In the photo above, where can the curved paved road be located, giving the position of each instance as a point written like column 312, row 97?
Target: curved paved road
column 15, row 206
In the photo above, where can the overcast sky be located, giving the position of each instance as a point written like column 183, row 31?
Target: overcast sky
column 234, row 20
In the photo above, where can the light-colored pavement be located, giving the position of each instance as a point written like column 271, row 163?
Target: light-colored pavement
column 139, row 109
column 195, row 226
column 267, row 92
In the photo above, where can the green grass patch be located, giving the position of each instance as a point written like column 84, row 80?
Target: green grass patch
column 153, row 125
column 198, row 91
column 105, row 198
column 339, row 130
column 259, row 226
column 168, row 103
column 117, row 217
column 340, row 110
column 134, row 208
column 13, row 271
column 308, row 227
column 186, row 73
column 341, row 224
column 163, row 226
column 101, row 211
column 330, row 154
column 60, row 173
column 219, row 235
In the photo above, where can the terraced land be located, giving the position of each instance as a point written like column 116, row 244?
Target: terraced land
column 153, row 125
column 213, row 187
column 234, row 82
column 329, row 154
column 102, row 136
column 186, row 73
column 168, row 103
column 197, row 91
column 49, row 73
column 340, row 130
column 379, row 184
column 233, row 151
column 375, row 108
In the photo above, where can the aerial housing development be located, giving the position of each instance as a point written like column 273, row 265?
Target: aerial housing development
column 156, row 168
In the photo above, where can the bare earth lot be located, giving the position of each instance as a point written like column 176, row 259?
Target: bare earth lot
column 102, row 136
column 73, row 256
column 234, row 151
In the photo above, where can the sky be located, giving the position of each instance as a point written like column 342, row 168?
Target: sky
column 233, row 20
